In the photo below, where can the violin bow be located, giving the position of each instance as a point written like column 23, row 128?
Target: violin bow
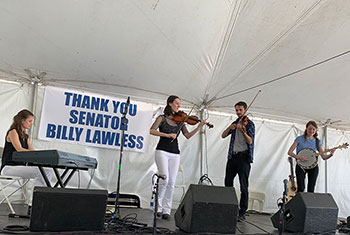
column 240, row 119
column 182, row 124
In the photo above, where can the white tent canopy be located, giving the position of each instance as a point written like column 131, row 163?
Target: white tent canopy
column 211, row 53
column 201, row 50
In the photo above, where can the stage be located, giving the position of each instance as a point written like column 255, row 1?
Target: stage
column 255, row 223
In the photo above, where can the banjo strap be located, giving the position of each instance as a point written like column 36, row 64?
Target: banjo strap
column 317, row 144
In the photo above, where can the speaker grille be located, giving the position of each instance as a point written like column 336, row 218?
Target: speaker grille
column 208, row 209
column 309, row 213
column 60, row 209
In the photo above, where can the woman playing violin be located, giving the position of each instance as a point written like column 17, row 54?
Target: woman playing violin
column 167, row 156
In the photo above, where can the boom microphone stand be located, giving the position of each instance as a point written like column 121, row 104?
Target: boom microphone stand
column 283, row 206
column 116, row 209
column 155, row 192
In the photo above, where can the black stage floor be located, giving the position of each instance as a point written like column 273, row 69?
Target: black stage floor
column 255, row 223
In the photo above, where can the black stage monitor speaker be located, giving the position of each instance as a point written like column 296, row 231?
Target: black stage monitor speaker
column 309, row 213
column 62, row 209
column 208, row 209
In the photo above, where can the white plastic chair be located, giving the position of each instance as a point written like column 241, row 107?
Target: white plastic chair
column 12, row 181
column 11, row 186
column 256, row 196
column 182, row 182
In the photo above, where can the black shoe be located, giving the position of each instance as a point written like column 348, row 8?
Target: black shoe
column 166, row 216
column 29, row 210
column 159, row 214
column 241, row 218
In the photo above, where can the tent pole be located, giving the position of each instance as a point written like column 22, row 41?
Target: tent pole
column 201, row 132
column 34, row 98
column 325, row 130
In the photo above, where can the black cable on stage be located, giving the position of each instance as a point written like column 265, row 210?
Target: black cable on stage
column 160, row 230
column 239, row 230
column 254, row 212
column 12, row 229
column 121, row 225
column 257, row 227
column 129, row 224
column 205, row 178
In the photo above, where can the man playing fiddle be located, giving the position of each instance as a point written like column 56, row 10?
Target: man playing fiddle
column 240, row 154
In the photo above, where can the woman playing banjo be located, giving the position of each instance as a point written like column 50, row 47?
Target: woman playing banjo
column 310, row 143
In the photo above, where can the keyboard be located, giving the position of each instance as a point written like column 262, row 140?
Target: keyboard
column 54, row 158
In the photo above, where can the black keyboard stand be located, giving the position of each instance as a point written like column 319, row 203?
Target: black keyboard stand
column 60, row 178
column 43, row 173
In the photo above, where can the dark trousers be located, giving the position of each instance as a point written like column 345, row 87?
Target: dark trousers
column 311, row 178
column 239, row 164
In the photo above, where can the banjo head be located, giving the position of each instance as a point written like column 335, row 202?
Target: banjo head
column 310, row 155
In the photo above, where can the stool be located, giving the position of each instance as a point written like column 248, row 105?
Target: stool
column 256, row 196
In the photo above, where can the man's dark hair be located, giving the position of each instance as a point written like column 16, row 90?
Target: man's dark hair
column 242, row 103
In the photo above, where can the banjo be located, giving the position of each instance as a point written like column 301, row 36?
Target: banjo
column 312, row 156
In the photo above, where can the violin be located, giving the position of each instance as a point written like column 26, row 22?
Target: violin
column 243, row 121
column 181, row 117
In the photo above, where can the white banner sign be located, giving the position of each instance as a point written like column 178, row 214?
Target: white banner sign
column 92, row 119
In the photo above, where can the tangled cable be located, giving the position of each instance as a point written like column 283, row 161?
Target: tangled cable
column 205, row 178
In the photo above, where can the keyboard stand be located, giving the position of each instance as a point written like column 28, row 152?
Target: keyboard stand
column 58, row 176
column 43, row 173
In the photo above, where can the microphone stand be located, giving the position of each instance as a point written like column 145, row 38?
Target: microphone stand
column 116, row 209
column 283, row 207
column 155, row 195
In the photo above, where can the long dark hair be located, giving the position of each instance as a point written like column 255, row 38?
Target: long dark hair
column 312, row 123
column 17, row 122
column 168, row 111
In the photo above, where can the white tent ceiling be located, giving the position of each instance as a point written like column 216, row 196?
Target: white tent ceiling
column 211, row 51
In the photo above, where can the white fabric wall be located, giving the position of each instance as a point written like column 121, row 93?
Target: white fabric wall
column 269, row 169
column 13, row 97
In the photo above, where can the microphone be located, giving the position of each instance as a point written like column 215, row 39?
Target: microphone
column 163, row 177
column 285, row 182
column 127, row 106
